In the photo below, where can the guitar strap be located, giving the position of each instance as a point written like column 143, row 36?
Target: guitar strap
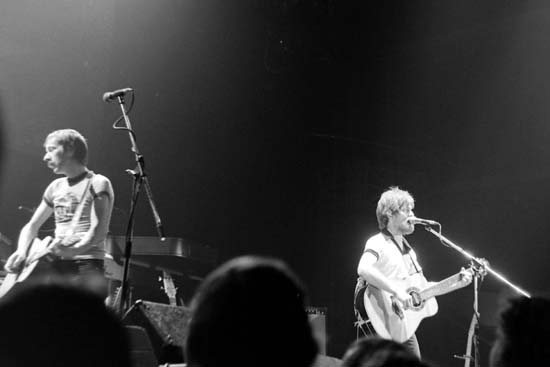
column 417, row 268
column 405, row 251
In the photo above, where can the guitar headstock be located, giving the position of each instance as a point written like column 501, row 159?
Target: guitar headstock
column 169, row 287
column 5, row 240
column 480, row 266
column 477, row 268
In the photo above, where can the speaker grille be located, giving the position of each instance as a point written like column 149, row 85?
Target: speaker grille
column 166, row 327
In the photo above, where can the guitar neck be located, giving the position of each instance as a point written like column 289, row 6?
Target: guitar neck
column 169, row 288
column 445, row 286
column 173, row 301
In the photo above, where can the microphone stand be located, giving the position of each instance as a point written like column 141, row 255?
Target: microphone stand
column 140, row 178
column 480, row 267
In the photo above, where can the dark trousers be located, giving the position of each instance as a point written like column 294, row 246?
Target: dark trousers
column 85, row 273
column 412, row 345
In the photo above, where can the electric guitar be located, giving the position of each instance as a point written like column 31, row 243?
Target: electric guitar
column 42, row 248
column 393, row 320
column 37, row 251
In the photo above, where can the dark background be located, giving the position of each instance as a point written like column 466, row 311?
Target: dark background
column 272, row 127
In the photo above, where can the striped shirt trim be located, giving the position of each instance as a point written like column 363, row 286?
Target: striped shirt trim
column 371, row 251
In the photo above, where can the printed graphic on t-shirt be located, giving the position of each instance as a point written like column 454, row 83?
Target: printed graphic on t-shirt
column 64, row 208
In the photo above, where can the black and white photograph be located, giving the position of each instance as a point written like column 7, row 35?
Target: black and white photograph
column 275, row 183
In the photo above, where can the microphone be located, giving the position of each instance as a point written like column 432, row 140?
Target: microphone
column 423, row 222
column 109, row 96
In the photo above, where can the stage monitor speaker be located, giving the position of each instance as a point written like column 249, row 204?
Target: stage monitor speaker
column 317, row 319
column 166, row 327
column 325, row 361
column 141, row 350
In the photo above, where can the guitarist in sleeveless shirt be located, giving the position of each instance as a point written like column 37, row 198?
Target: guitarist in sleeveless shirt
column 387, row 256
column 82, row 203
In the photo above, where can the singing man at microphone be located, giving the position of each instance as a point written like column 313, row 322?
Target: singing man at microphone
column 388, row 258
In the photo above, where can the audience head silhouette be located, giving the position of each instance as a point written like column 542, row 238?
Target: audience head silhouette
column 59, row 325
column 523, row 334
column 378, row 352
column 250, row 312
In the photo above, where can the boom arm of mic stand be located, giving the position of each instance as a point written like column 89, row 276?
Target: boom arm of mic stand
column 478, row 261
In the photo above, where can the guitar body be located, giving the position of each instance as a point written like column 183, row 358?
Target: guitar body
column 38, row 249
column 389, row 318
column 9, row 281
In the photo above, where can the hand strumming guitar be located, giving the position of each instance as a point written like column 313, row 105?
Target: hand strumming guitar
column 15, row 262
column 404, row 298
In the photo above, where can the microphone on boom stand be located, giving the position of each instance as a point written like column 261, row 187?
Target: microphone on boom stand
column 111, row 96
column 423, row 222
